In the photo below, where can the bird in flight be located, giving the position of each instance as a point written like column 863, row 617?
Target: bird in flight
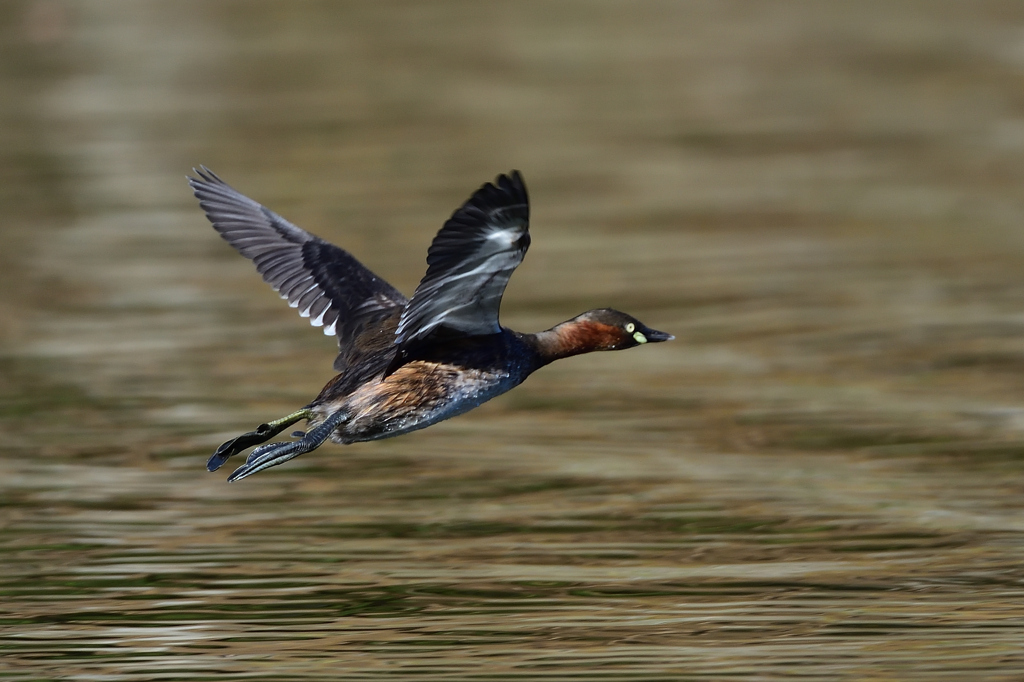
column 403, row 364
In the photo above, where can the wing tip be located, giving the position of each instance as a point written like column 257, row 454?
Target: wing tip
column 206, row 177
column 507, row 191
column 505, row 199
column 206, row 185
column 512, row 182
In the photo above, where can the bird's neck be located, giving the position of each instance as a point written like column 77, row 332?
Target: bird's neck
column 574, row 337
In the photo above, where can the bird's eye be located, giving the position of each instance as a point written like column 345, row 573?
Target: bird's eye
column 630, row 327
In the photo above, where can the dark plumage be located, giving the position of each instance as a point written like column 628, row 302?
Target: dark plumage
column 404, row 364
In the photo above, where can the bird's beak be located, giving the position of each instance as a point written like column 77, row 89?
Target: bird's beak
column 654, row 336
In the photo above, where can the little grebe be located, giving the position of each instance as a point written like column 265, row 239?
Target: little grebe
column 404, row 364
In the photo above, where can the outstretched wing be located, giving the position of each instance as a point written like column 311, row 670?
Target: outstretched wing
column 469, row 264
column 325, row 283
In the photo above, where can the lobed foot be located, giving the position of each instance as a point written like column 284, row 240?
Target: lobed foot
column 272, row 454
column 262, row 434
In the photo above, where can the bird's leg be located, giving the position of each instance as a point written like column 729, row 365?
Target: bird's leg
column 262, row 434
column 272, row 454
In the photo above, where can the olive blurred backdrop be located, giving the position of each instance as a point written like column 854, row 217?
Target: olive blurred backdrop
column 822, row 477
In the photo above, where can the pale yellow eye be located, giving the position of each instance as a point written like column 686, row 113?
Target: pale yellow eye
column 630, row 327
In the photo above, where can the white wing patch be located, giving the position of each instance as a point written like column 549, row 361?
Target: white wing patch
column 318, row 321
column 506, row 236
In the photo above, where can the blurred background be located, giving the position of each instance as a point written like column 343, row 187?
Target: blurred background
column 823, row 476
